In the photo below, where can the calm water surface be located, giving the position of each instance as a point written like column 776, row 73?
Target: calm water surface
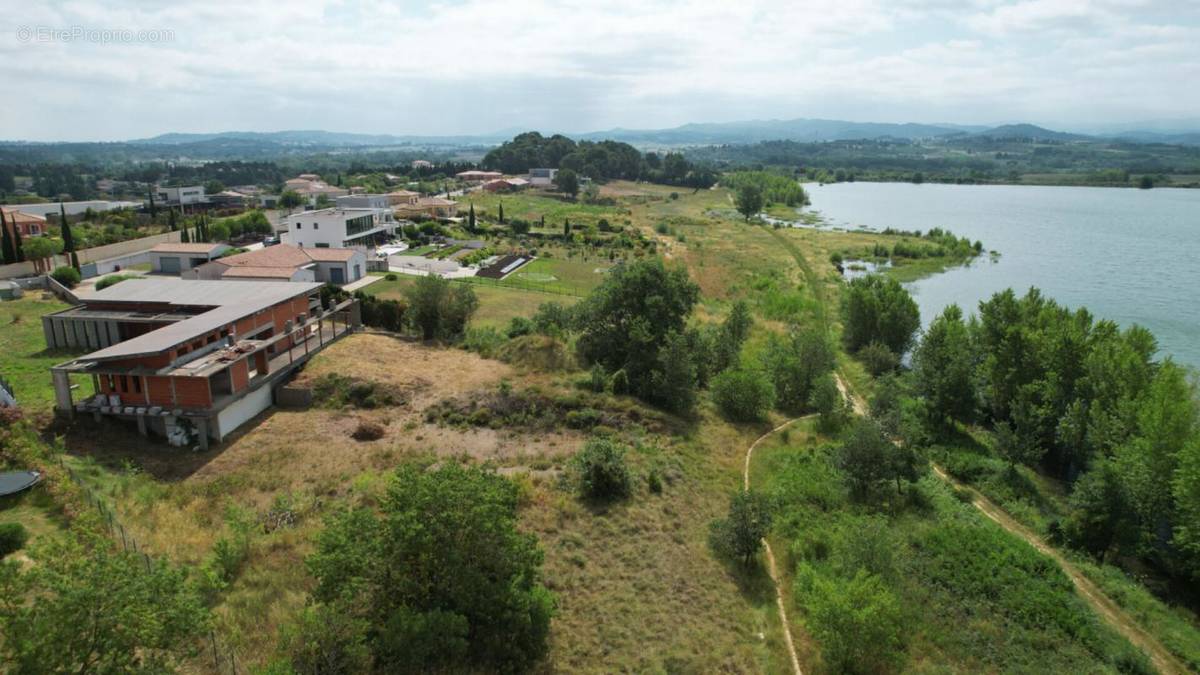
column 1129, row 255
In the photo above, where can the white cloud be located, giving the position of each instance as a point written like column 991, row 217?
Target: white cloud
column 479, row 65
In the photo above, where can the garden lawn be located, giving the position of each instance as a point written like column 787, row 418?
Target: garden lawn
column 26, row 361
column 498, row 304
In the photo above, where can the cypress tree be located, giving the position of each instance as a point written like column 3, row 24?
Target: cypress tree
column 153, row 211
column 67, row 237
column 471, row 218
column 543, row 222
column 171, row 220
column 18, row 249
column 501, row 212
column 6, row 241
column 184, row 238
column 566, row 228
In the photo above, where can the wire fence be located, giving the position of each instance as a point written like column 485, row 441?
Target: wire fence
column 554, row 287
column 224, row 658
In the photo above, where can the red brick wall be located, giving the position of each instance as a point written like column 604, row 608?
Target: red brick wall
column 159, row 390
column 240, row 374
column 192, row 392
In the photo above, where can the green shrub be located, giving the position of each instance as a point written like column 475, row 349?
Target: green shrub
column 857, row 619
column 519, row 326
column 12, row 538
column 114, row 279
column 583, row 419
column 67, row 276
column 743, row 395
column 390, row 276
column 597, row 379
column 620, row 382
column 601, row 471
column 878, row 359
column 483, row 341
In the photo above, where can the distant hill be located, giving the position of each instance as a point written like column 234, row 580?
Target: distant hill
column 318, row 138
column 755, row 131
column 1030, row 131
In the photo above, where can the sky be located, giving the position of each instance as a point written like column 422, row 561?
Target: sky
column 121, row 69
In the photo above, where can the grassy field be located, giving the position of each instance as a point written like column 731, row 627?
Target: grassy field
column 533, row 206
column 498, row 304
column 26, row 361
column 1014, row 612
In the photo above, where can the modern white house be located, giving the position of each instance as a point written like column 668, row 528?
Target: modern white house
column 542, row 177
column 180, row 196
column 340, row 227
column 364, row 201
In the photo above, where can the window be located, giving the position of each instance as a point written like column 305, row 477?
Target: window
column 137, row 384
column 299, row 225
column 316, row 226
column 322, row 245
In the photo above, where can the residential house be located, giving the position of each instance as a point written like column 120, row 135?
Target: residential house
column 478, row 176
column 28, row 224
column 428, row 207
column 287, row 263
column 190, row 360
column 506, row 185
column 398, row 197
column 340, row 227
column 422, row 164
column 180, row 196
column 542, row 177
column 311, row 187
column 177, row 258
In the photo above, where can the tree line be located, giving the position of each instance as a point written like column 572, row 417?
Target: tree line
column 1082, row 399
column 598, row 160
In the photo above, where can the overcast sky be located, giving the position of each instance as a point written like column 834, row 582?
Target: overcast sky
column 475, row 66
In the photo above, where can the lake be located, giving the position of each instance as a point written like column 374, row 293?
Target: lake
column 1125, row 254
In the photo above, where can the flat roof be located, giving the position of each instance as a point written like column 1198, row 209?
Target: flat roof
column 231, row 301
column 185, row 248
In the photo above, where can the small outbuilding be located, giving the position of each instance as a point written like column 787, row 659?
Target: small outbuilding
column 178, row 258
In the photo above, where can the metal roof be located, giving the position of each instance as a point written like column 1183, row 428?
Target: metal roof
column 231, row 301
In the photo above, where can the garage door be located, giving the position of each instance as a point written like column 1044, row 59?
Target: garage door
column 337, row 275
column 169, row 265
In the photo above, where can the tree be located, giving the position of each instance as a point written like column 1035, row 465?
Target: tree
column 740, row 534
column 1013, row 448
column 7, row 245
column 672, row 382
column 626, row 321
column 67, row 237
column 732, row 334
column 501, row 216
column 153, row 210
column 743, row 395
column 943, row 369
column 864, row 457
column 437, row 310
column 440, row 574
column 471, row 218
column 290, row 199
column 876, row 308
column 748, row 200
column 566, row 228
column 600, row 470
column 567, row 182
column 88, row 607
column 1098, row 515
column 856, row 619
column 826, row 400
column 18, row 244
column 41, row 249
column 184, row 237
column 172, row 221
